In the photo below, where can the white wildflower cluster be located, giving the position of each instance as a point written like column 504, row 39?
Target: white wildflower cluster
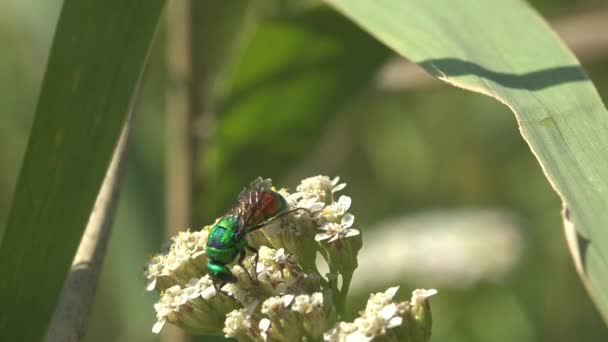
column 240, row 325
column 317, row 194
column 386, row 319
column 283, row 318
column 196, row 307
column 185, row 259
column 279, row 294
column 277, row 273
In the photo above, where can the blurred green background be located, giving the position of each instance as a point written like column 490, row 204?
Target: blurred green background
column 415, row 157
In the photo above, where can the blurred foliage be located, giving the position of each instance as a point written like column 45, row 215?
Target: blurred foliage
column 450, row 149
column 308, row 75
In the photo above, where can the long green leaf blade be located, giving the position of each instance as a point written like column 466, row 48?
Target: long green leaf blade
column 503, row 49
column 95, row 62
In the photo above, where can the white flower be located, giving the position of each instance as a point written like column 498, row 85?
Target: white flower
column 379, row 300
column 320, row 187
column 273, row 305
column 168, row 304
column 306, row 304
column 273, row 265
column 238, row 323
column 380, row 315
column 202, row 287
column 313, row 205
column 338, row 231
column 420, row 295
column 336, row 210
column 343, row 332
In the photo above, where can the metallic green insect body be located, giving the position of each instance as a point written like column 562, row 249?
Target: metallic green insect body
column 224, row 244
column 256, row 206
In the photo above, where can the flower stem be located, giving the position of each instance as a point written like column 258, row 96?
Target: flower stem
column 346, row 279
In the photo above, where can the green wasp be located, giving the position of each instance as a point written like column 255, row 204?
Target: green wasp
column 256, row 206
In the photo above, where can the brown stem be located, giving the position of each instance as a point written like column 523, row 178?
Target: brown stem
column 72, row 313
column 182, row 111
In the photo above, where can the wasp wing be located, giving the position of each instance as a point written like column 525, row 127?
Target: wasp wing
column 248, row 202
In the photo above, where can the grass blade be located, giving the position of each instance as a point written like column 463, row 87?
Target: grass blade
column 96, row 59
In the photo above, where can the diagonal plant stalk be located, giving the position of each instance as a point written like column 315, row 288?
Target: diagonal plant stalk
column 72, row 313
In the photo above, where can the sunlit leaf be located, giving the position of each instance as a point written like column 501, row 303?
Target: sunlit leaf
column 503, row 49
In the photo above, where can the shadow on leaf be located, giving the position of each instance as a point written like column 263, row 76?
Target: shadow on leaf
column 534, row 80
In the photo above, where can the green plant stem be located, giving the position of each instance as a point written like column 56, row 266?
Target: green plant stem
column 346, row 280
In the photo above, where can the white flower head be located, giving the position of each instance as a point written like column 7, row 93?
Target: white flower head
column 306, row 304
column 239, row 323
column 166, row 307
column 381, row 314
column 181, row 262
column 332, row 231
column 274, row 305
column 278, row 294
column 321, row 188
column 274, row 265
column 421, row 295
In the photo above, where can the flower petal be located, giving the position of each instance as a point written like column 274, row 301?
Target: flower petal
column 338, row 187
column 392, row 291
column 208, row 292
column 316, row 206
column 388, row 311
column 158, row 326
column 345, row 202
column 264, row 326
column 287, row 299
column 348, row 220
column 335, row 181
column 394, row 322
column 352, row 232
column 322, row 236
column 151, row 285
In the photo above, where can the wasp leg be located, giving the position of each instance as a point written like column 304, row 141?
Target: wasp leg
column 240, row 263
column 218, row 289
column 255, row 263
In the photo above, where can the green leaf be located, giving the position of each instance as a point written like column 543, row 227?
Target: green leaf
column 503, row 49
column 295, row 73
column 95, row 63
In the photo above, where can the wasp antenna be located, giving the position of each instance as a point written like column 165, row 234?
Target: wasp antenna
column 264, row 223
